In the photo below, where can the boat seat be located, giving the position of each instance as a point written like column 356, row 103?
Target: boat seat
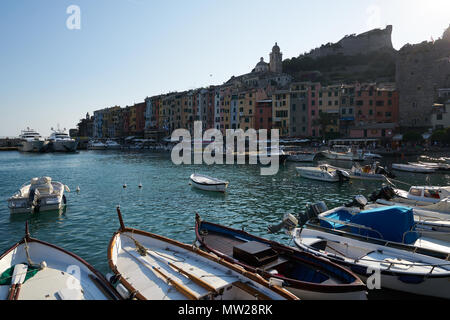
column 44, row 188
column 254, row 253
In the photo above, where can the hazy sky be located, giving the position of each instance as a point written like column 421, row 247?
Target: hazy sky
column 129, row 49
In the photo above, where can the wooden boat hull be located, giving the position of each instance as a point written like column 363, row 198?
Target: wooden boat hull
column 220, row 241
column 65, row 276
column 161, row 273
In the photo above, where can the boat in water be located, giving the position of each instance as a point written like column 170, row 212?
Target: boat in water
column 412, row 168
column 382, row 240
column 31, row 141
column 60, row 141
column 36, row 270
column 323, row 173
column 96, row 145
column 112, row 145
column 303, row 274
column 340, row 152
column 153, row 267
column 301, row 156
column 207, row 183
column 373, row 172
column 41, row 194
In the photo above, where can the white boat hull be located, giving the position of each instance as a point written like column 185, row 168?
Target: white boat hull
column 316, row 174
column 342, row 156
column 208, row 184
column 31, row 146
column 64, row 146
column 412, row 168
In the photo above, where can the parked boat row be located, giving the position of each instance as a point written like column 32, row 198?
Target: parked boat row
column 59, row 141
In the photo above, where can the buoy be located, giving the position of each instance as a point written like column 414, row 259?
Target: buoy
column 78, row 189
column 140, row 185
column 125, row 186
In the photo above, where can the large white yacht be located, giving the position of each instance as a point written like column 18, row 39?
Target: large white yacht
column 60, row 141
column 30, row 141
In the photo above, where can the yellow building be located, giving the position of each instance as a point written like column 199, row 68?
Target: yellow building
column 246, row 105
column 281, row 112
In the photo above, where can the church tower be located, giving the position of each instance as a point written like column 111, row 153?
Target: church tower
column 276, row 60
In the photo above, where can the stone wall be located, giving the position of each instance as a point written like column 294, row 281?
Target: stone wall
column 420, row 70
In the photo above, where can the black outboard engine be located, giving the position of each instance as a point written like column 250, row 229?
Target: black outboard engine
column 343, row 176
column 384, row 171
column 289, row 222
column 358, row 201
column 386, row 193
column 312, row 211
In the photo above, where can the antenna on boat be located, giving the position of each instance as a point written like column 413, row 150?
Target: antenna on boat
column 122, row 225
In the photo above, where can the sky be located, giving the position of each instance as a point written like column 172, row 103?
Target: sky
column 126, row 50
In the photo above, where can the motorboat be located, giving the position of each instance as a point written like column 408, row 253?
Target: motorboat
column 30, row 141
column 303, row 274
column 60, row 141
column 112, row 145
column 412, row 168
column 153, row 267
column 383, row 241
column 371, row 156
column 41, row 194
column 301, row 156
column 207, row 183
column 436, row 166
column 35, row 270
column 340, row 152
column 441, row 160
column 372, row 172
column 96, row 145
column 323, row 173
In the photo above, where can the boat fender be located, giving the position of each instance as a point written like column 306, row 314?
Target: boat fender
column 43, row 265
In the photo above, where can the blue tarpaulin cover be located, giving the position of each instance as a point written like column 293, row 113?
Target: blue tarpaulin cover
column 391, row 222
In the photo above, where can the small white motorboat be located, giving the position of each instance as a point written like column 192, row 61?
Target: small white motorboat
column 301, row 156
column 437, row 166
column 323, row 173
column 412, row 168
column 338, row 152
column 42, row 194
column 381, row 240
column 153, row 267
column 36, row 270
column 207, row 183
column 96, row 145
column 372, row 172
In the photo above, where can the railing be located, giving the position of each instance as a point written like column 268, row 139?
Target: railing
column 354, row 225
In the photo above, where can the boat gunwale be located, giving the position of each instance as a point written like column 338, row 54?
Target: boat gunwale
column 355, row 286
column 192, row 249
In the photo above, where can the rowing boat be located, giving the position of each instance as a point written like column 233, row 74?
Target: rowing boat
column 152, row 267
column 206, row 183
column 303, row 274
column 49, row 273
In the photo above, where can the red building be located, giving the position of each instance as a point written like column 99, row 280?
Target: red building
column 263, row 114
column 376, row 105
column 140, row 118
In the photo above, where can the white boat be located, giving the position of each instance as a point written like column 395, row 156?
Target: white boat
column 370, row 156
column 338, row 152
column 60, row 141
column 208, row 183
column 41, row 194
column 96, row 145
column 372, row 172
column 412, row 168
column 36, row 270
column 323, row 173
column 157, row 268
column 301, row 156
column 112, row 145
column 436, row 166
column 380, row 240
column 30, row 141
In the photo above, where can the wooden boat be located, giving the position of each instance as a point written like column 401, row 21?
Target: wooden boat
column 41, row 194
column 412, row 168
column 323, row 173
column 206, row 183
column 303, row 274
column 153, row 267
column 384, row 241
column 48, row 272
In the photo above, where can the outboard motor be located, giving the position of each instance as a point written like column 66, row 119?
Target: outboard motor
column 358, row 201
column 343, row 175
column 386, row 193
column 289, row 222
column 384, row 171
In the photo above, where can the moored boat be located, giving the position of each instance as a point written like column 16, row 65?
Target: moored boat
column 60, row 141
column 157, row 268
column 301, row 156
column 338, row 152
column 96, row 145
column 31, row 141
column 36, row 270
column 323, row 173
column 382, row 241
column 207, row 183
column 303, row 274
column 41, row 194
column 412, row 168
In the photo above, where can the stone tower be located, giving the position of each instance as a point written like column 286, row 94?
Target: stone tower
column 276, row 60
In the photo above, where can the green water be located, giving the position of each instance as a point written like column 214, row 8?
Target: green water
column 166, row 204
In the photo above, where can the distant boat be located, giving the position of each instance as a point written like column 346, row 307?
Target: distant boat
column 60, row 141
column 301, row 156
column 323, row 173
column 157, row 268
column 30, row 141
column 112, row 145
column 48, row 272
column 412, row 168
column 208, row 183
column 303, row 274
column 41, row 194
column 96, row 145
column 339, row 152
column 372, row 172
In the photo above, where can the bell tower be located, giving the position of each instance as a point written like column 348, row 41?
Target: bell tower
column 276, row 60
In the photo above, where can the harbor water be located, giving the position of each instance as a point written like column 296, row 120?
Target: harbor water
column 166, row 204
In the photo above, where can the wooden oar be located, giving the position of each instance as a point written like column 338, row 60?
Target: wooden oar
column 178, row 286
column 18, row 277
